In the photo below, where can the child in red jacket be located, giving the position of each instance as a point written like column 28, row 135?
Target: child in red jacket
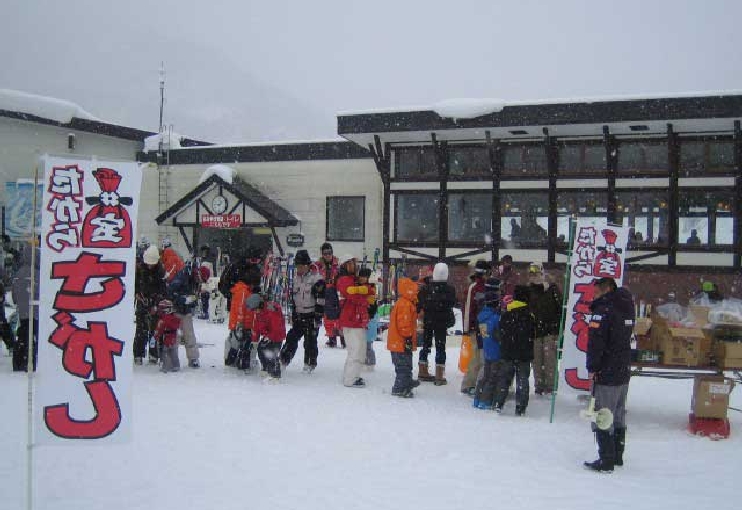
column 270, row 328
column 166, row 334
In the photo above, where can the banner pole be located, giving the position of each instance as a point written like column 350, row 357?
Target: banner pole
column 565, row 300
column 30, row 368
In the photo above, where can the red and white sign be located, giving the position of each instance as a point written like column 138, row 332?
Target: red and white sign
column 221, row 220
column 598, row 251
column 89, row 215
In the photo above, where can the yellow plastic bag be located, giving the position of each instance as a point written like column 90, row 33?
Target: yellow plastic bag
column 465, row 353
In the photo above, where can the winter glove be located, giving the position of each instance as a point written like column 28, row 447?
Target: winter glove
column 408, row 345
column 359, row 289
column 371, row 298
column 239, row 333
column 189, row 299
column 317, row 321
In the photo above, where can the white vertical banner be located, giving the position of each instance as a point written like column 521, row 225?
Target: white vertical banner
column 86, row 312
column 598, row 251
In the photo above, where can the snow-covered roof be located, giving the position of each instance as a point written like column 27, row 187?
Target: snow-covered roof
column 270, row 144
column 223, row 171
column 41, row 106
column 458, row 108
column 170, row 141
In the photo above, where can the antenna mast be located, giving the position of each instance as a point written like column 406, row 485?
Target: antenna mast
column 162, row 103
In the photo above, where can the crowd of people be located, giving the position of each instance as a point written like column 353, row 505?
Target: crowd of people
column 514, row 327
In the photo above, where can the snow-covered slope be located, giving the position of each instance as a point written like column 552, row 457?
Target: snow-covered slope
column 218, row 439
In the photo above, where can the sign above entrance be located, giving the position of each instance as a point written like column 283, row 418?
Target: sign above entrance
column 221, row 220
column 295, row 240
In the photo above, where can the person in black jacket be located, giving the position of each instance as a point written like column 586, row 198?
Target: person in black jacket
column 436, row 300
column 149, row 289
column 608, row 365
column 517, row 331
column 545, row 303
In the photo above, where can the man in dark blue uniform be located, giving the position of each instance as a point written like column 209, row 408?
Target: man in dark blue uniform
column 608, row 365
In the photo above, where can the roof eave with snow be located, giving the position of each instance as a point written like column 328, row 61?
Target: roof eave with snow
column 709, row 112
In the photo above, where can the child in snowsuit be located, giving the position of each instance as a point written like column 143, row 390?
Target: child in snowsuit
column 402, row 339
column 488, row 321
column 269, row 329
column 517, row 331
column 364, row 278
column 166, row 334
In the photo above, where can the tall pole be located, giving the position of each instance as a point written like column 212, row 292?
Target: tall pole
column 33, row 304
column 162, row 103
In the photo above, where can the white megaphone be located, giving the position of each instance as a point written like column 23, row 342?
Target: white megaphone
column 603, row 418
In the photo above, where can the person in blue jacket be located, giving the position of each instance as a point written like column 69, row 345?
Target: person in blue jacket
column 488, row 330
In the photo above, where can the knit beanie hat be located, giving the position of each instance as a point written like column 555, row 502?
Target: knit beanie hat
column 151, row 255
column 440, row 272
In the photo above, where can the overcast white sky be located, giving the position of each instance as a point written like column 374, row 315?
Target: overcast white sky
column 242, row 70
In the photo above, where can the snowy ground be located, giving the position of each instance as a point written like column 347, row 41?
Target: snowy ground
column 214, row 438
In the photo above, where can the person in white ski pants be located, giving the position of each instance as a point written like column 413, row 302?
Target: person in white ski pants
column 353, row 320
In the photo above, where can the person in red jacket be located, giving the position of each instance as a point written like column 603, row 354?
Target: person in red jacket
column 269, row 329
column 328, row 267
column 402, row 337
column 353, row 320
column 472, row 306
column 166, row 333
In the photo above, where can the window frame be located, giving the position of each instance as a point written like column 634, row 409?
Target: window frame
column 328, row 236
column 409, row 242
column 433, row 176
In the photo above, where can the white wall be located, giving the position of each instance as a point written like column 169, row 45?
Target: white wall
column 22, row 143
column 300, row 187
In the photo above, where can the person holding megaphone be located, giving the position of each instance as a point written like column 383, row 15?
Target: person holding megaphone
column 609, row 366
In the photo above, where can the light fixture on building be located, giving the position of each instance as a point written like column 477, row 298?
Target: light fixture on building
column 71, row 141
column 518, row 132
column 639, row 127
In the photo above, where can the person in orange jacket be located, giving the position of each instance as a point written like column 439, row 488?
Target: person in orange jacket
column 402, row 337
column 171, row 261
column 239, row 342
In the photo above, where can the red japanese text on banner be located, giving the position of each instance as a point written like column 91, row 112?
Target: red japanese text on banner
column 89, row 214
column 598, row 251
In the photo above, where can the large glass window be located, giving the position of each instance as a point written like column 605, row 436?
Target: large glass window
column 415, row 163
column 528, row 160
column 646, row 213
column 469, row 216
column 346, row 218
column 582, row 204
column 645, row 157
column 524, row 218
column 703, row 157
column 468, row 161
column 576, row 159
column 705, row 218
column 417, row 217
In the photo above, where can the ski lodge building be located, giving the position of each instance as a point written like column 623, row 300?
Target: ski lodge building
column 444, row 184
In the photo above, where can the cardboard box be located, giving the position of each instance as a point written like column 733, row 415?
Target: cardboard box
column 685, row 346
column 658, row 332
column 711, row 396
column 728, row 354
column 700, row 314
column 646, row 343
column 642, row 325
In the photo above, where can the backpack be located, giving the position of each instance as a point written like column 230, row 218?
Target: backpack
column 438, row 304
column 332, row 303
column 227, row 280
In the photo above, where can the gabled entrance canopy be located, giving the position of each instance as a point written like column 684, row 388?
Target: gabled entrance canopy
column 235, row 205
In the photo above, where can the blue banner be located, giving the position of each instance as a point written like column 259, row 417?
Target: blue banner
column 19, row 208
